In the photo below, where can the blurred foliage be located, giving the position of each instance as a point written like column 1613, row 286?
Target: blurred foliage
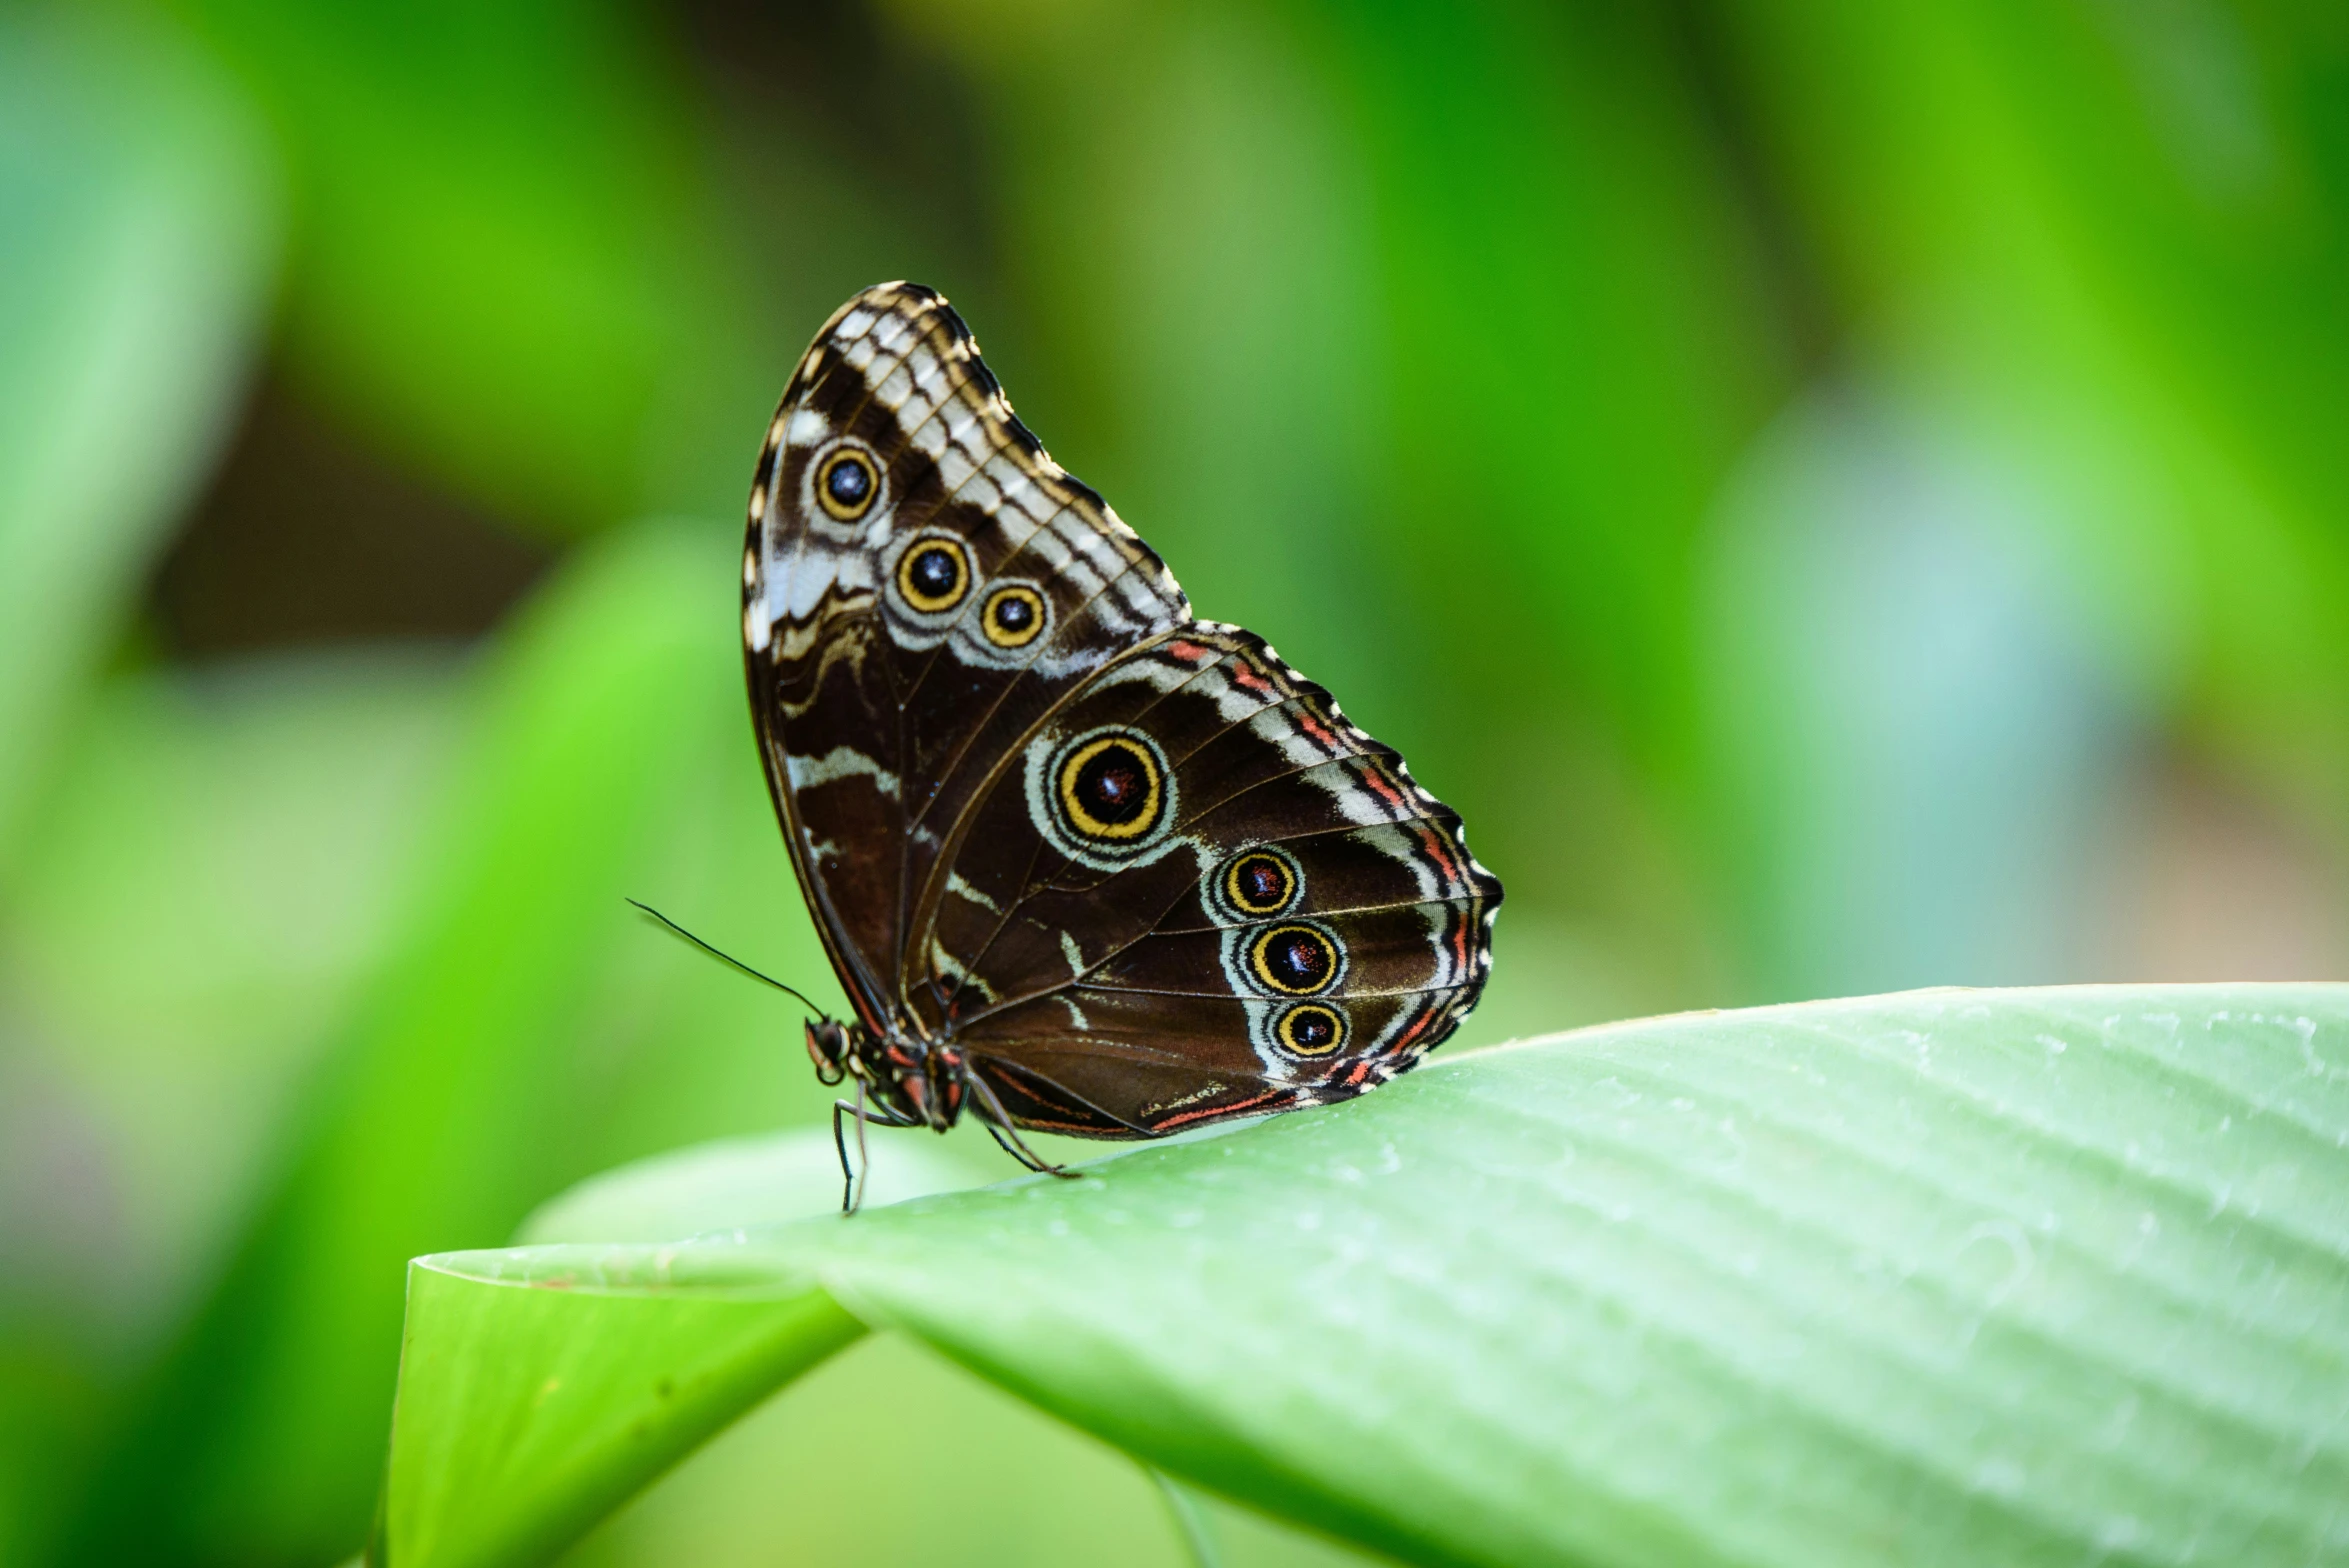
column 1796, row 475
column 138, row 208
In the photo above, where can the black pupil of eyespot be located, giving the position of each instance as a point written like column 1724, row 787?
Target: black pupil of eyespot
column 1014, row 614
column 1311, row 1026
column 1264, row 881
column 849, row 481
column 936, row 571
column 1298, row 960
column 1114, row 785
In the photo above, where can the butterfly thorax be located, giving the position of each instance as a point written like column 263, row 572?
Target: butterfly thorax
column 923, row 1082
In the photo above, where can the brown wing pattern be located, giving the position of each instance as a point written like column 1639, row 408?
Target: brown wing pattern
column 1144, row 873
column 1157, row 985
column 921, row 582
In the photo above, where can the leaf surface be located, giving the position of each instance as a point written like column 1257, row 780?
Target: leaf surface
column 2027, row 1276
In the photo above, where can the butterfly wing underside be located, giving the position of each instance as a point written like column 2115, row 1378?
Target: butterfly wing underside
column 920, row 582
column 1302, row 923
column 1144, row 873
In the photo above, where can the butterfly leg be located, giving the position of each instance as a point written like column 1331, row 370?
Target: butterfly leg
column 1007, row 1138
column 1010, row 1143
column 852, row 1177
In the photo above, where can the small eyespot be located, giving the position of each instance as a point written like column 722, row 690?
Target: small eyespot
column 1260, row 882
column 1013, row 616
column 847, row 484
column 1310, row 1029
column 1294, row 960
column 934, row 575
column 1112, row 788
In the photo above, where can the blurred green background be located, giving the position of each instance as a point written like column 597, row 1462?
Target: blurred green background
column 1842, row 497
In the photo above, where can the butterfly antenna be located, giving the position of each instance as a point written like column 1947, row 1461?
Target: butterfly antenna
column 730, row 960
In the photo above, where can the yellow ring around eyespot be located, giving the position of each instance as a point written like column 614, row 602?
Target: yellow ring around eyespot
column 1231, row 885
column 1286, row 1029
column 1009, row 639
column 847, row 514
column 1257, row 949
column 931, row 604
column 1092, row 826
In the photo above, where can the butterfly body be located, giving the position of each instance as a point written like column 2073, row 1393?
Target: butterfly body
column 1082, row 862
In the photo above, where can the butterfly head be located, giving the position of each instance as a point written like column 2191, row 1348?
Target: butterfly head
column 829, row 1046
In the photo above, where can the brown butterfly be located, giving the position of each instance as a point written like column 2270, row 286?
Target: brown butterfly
column 1082, row 862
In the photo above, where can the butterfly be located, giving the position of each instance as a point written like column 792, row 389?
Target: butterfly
column 1082, row 862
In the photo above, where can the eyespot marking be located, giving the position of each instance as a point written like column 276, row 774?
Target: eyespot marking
column 1310, row 1029
column 1105, row 797
column 1013, row 616
column 934, row 574
column 1112, row 788
column 1295, row 959
column 1256, row 883
column 847, row 484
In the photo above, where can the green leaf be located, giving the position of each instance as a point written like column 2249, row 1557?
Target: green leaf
column 137, row 233
column 595, row 1390
column 1024, row 1487
column 736, row 1183
column 2024, row 1276
column 1021, row 1487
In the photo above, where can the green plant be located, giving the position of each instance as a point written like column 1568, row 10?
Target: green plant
column 1595, row 395
column 2024, row 1276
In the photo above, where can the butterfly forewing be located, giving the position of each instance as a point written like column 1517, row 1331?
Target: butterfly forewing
column 1140, row 870
column 949, row 591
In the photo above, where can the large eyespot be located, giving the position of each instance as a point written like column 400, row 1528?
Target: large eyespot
column 1014, row 614
column 1310, row 1029
column 1111, row 788
column 934, row 574
column 1258, row 882
column 1294, row 959
column 846, row 484
column 1106, row 798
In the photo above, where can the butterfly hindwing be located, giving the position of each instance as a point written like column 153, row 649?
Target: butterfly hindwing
column 1305, row 919
column 1142, row 872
